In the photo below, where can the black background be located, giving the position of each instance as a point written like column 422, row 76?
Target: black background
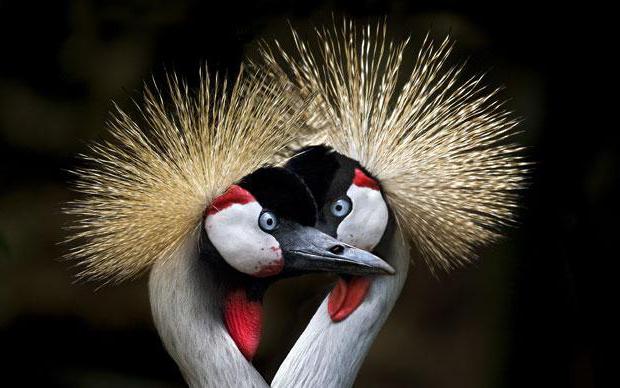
column 532, row 312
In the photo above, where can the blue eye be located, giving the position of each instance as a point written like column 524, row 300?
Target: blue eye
column 268, row 221
column 340, row 207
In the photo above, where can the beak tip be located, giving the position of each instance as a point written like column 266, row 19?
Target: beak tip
column 388, row 269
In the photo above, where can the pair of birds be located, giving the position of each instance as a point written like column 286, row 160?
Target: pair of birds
column 328, row 158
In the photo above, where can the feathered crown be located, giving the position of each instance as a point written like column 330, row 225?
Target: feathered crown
column 438, row 144
column 145, row 192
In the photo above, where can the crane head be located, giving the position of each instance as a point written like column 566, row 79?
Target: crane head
column 349, row 200
column 351, row 208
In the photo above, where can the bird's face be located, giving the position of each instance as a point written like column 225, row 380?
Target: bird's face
column 263, row 226
column 359, row 214
column 351, row 208
column 241, row 231
column 350, row 203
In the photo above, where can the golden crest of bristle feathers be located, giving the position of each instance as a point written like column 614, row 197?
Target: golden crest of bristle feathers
column 439, row 144
column 144, row 192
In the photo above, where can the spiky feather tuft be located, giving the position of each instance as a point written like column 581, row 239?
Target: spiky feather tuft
column 146, row 190
column 439, row 144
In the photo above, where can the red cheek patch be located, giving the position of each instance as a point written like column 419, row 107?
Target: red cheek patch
column 346, row 297
column 362, row 180
column 234, row 194
column 244, row 321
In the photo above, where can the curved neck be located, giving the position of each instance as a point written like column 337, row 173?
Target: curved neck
column 186, row 302
column 329, row 354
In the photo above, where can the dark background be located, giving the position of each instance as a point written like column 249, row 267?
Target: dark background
column 531, row 312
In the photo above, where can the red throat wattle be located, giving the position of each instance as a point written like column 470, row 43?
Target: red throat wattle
column 347, row 296
column 244, row 321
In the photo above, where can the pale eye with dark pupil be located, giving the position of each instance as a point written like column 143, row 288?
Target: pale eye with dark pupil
column 341, row 207
column 268, row 221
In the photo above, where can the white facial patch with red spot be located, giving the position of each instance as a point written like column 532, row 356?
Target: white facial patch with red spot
column 232, row 228
column 364, row 226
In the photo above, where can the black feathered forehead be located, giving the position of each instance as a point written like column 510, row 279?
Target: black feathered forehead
column 282, row 192
column 325, row 171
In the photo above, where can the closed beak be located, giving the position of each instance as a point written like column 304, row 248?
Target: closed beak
column 307, row 249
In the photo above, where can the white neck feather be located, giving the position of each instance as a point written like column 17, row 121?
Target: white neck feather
column 186, row 307
column 329, row 354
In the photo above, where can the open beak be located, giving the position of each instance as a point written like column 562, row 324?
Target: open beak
column 308, row 250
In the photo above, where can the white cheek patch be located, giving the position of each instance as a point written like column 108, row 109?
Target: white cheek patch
column 235, row 233
column 364, row 226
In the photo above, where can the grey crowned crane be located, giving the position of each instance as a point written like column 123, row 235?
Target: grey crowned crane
column 185, row 194
column 416, row 159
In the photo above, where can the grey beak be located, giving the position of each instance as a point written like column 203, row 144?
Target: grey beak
column 309, row 250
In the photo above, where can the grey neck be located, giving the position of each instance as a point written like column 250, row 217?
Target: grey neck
column 186, row 306
column 329, row 354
